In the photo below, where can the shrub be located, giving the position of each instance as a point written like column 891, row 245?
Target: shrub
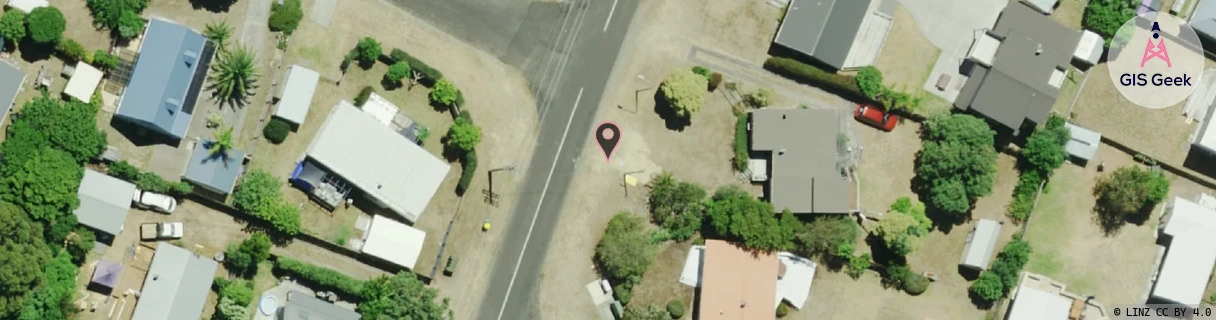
column 625, row 251
column 417, row 65
column 714, row 81
column 1129, row 193
column 742, row 148
column 149, row 181
column 916, row 285
column 703, row 71
column 782, row 310
column 843, row 85
column 463, row 135
column 46, row 24
column 896, row 275
column 1044, row 151
column 760, row 98
column 219, row 283
column 444, row 93
column 285, row 17
column 367, row 51
column 1105, row 17
column 12, row 26
column 675, row 308
column 228, row 309
column 735, row 215
column 130, row 24
column 467, row 172
column 1023, row 195
column 828, row 237
column 363, row 95
column 869, row 81
column 988, row 287
column 276, row 130
column 622, row 292
column 104, row 60
column 859, row 264
column 396, row 72
column 676, row 206
column 240, row 292
column 321, row 276
column 684, row 91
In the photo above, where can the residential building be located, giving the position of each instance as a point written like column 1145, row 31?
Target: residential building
column 216, row 172
column 303, row 306
column 11, row 82
column 1189, row 256
column 296, row 96
column 1038, row 297
column 177, row 285
column 167, row 78
column 839, row 34
column 724, row 271
column 104, row 203
column 805, row 171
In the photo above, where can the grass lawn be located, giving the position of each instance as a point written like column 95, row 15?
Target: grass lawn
column 662, row 282
column 1160, row 133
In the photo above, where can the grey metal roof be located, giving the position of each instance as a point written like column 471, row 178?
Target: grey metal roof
column 216, row 172
column 167, row 78
column 11, row 79
column 1203, row 18
column 1084, row 142
column 177, row 285
column 981, row 243
column 104, row 202
column 296, row 95
column 303, row 306
column 804, row 176
column 822, row 29
column 1015, row 88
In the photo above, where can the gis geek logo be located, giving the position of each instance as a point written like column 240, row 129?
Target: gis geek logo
column 1156, row 51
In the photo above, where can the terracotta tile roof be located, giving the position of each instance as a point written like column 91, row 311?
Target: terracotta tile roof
column 737, row 284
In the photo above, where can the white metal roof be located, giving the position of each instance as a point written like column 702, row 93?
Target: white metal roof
column 1089, row 49
column 382, row 163
column 380, row 108
column 1207, row 137
column 981, row 243
column 27, row 5
column 983, row 50
column 394, row 241
column 84, row 82
column 1190, row 257
column 297, row 94
column 1083, row 142
column 692, row 266
column 795, row 286
column 1044, row 6
column 1035, row 304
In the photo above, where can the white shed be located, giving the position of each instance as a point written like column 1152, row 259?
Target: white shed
column 394, row 242
column 27, row 5
column 981, row 242
column 84, row 82
column 297, row 93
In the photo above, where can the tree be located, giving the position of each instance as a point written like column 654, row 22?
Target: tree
column 463, row 135
column 109, row 13
column 988, row 287
column 869, row 80
column 229, row 309
column 957, row 161
column 259, row 191
column 46, row 24
column 396, row 72
column 284, row 217
column 901, row 232
column 53, row 300
column 234, row 75
column 43, row 182
column 367, row 51
column 684, row 90
column 245, row 257
column 759, row 99
column 676, row 206
column 675, row 308
column 105, row 61
column 130, row 24
column 825, row 235
column 12, row 26
column 218, row 32
column 22, row 257
column 69, row 126
column 239, row 291
column 276, row 130
column 1009, row 263
column 736, row 215
column 444, row 93
column 1129, row 193
column 402, row 296
column 645, row 313
column 624, row 252
column 222, row 143
column 859, row 264
column 1044, row 151
column 914, row 209
column 285, row 17
column 1105, row 17
column 70, row 50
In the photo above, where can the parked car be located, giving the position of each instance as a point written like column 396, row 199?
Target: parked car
column 154, row 201
column 161, row 231
column 876, row 117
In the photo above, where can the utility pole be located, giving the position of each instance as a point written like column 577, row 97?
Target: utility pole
column 491, row 197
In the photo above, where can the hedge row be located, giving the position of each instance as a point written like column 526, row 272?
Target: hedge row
column 321, row 276
column 428, row 73
column 741, row 139
column 1023, row 195
column 843, row 85
column 469, row 162
column 149, row 181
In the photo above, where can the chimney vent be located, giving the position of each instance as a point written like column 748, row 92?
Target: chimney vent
column 1038, row 50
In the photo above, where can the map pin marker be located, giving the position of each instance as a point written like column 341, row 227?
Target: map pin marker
column 607, row 135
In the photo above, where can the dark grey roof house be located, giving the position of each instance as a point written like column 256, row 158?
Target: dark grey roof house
column 302, row 306
column 176, row 286
column 1016, row 87
column 214, row 172
column 804, row 171
column 11, row 80
column 842, row 34
column 166, row 79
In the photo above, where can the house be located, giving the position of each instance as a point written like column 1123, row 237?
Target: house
column 1189, row 256
column 803, row 148
column 353, row 150
column 84, row 81
column 393, row 241
column 981, row 244
column 716, row 268
column 27, row 5
column 176, row 286
column 303, row 306
column 1204, row 140
column 1083, row 144
column 1038, row 297
column 104, row 203
column 11, row 80
column 841, row 34
column 1203, row 19
column 296, row 96
column 390, row 115
column 214, row 172
column 1017, row 67
column 105, row 276
column 166, row 79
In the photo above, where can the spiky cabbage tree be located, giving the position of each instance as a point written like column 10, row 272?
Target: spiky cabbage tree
column 234, row 74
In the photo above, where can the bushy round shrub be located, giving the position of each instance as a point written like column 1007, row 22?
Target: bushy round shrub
column 782, row 310
column 675, row 308
column 622, row 293
column 916, row 284
column 276, row 130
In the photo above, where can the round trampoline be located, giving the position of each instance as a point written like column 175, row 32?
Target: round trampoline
column 269, row 305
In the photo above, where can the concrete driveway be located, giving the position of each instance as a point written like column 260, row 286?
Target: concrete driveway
column 951, row 25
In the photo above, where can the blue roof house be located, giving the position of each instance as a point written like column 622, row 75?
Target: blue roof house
column 166, row 79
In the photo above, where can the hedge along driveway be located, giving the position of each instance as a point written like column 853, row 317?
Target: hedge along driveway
column 737, row 70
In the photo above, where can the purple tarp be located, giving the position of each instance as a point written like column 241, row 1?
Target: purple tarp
column 106, row 274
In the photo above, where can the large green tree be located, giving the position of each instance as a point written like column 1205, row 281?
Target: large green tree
column 53, row 300
column 259, row 191
column 68, row 126
column 463, row 135
column 367, row 51
column 625, row 251
column 901, row 232
column 645, row 313
column 1044, row 151
column 12, row 26
column 827, row 236
column 43, row 182
column 109, row 13
column 957, row 161
column 22, row 257
column 46, row 24
column 1129, row 193
column 1105, row 17
column 684, row 91
column 246, row 256
column 444, row 93
column 402, row 296
column 676, row 206
column 869, row 80
column 234, row 75
column 736, row 215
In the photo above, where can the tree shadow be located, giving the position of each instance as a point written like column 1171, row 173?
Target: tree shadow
column 980, row 302
column 665, row 111
column 212, row 6
column 1112, row 222
column 139, row 135
column 450, row 152
column 881, row 254
column 390, row 85
column 968, row 273
column 32, row 51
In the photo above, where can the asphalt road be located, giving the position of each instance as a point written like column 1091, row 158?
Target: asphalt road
column 575, row 81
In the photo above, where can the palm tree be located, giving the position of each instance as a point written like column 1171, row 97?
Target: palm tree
column 222, row 143
column 219, row 33
column 234, row 75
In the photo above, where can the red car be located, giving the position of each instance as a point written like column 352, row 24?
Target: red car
column 875, row 117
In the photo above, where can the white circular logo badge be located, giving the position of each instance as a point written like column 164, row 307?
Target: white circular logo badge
column 1155, row 60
